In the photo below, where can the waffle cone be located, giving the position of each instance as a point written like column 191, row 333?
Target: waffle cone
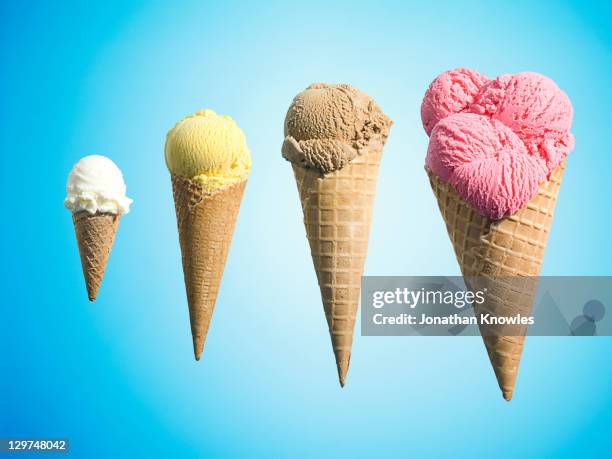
column 337, row 214
column 498, row 255
column 95, row 234
column 206, row 224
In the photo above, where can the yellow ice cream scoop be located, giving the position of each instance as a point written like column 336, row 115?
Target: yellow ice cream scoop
column 209, row 149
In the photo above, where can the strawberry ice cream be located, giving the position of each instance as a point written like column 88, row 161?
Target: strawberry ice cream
column 485, row 162
column 451, row 92
column 496, row 141
column 534, row 107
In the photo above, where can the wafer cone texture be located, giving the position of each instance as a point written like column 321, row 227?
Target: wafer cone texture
column 95, row 234
column 337, row 211
column 497, row 255
column 206, row 224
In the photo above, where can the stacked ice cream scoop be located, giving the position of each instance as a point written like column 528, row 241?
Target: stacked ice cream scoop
column 495, row 161
column 496, row 141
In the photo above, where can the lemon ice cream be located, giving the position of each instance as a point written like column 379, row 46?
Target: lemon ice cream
column 209, row 149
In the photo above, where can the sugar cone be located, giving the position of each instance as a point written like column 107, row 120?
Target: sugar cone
column 95, row 234
column 503, row 256
column 206, row 224
column 337, row 214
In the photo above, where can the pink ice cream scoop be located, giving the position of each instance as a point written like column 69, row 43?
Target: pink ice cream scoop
column 485, row 162
column 534, row 107
column 496, row 141
column 451, row 92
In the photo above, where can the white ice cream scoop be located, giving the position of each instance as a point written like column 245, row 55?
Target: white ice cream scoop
column 95, row 185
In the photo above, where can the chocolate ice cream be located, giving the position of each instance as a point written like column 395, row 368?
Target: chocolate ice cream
column 327, row 126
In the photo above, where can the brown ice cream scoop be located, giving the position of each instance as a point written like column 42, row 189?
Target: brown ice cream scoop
column 327, row 126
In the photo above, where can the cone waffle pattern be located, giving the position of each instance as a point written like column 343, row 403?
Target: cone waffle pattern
column 205, row 224
column 496, row 253
column 337, row 214
column 95, row 234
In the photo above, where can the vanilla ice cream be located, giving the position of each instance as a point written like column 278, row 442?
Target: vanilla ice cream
column 95, row 185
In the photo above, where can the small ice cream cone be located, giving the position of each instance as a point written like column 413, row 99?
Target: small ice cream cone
column 95, row 234
column 96, row 197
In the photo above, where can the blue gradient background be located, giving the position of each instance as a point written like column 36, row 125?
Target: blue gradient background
column 118, row 377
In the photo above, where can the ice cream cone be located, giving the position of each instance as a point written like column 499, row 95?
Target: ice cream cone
column 95, row 234
column 496, row 253
column 337, row 213
column 206, row 222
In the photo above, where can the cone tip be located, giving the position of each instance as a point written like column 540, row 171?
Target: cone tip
column 507, row 395
column 92, row 293
column 198, row 347
column 343, row 366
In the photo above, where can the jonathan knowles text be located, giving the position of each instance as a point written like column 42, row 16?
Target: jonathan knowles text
column 453, row 319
